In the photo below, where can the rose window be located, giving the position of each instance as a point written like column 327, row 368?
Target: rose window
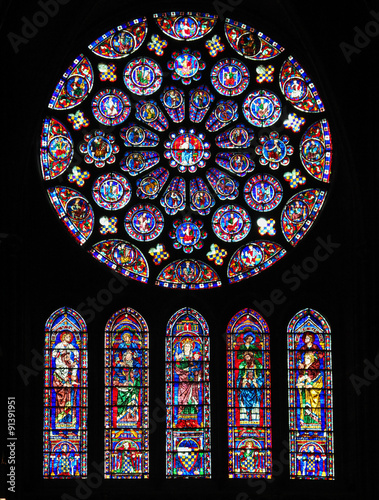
column 186, row 151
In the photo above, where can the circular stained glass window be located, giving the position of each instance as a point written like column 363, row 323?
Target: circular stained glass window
column 186, row 151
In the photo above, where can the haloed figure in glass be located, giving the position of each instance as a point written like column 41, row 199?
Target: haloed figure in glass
column 127, row 381
column 310, row 384
column 249, row 383
column 188, row 374
column 126, row 458
column 66, row 462
column 65, row 380
column 250, row 457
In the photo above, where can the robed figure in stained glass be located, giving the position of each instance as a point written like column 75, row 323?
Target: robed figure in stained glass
column 126, row 459
column 127, row 381
column 65, row 414
column 249, row 383
column 249, row 396
column 249, row 345
column 310, row 396
column 250, row 457
column 187, row 151
column 65, row 379
column 188, row 369
column 311, row 460
column 309, row 380
column 249, row 379
column 126, row 396
column 66, row 461
column 187, row 395
column 310, row 384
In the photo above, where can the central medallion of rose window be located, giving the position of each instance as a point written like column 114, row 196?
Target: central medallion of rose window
column 187, row 150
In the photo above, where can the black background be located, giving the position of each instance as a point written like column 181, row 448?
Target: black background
column 44, row 269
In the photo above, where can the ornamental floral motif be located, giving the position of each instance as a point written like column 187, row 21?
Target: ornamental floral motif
column 107, row 72
column 157, row 45
column 294, row 122
column 186, row 66
column 99, row 148
column 266, row 226
column 78, row 120
column 188, row 234
column 274, row 150
column 108, row 225
column 265, row 73
column 217, row 254
column 78, row 176
column 159, row 253
column 294, row 178
column 214, row 45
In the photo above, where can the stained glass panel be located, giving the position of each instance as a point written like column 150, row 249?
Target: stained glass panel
column 187, row 396
column 249, row 396
column 126, row 396
column 185, row 94
column 310, row 396
column 65, row 399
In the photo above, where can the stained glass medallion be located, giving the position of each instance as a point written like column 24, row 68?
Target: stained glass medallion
column 142, row 76
column 231, row 223
column 111, row 191
column 111, row 107
column 144, row 222
column 187, row 150
column 159, row 137
column 230, row 77
column 263, row 192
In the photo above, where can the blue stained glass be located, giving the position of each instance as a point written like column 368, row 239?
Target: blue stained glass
column 196, row 106
column 126, row 396
column 310, row 396
column 187, row 396
column 65, row 402
column 249, row 396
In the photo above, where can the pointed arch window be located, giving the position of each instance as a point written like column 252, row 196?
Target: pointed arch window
column 65, row 400
column 187, row 396
column 249, row 396
column 126, row 396
column 310, row 396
